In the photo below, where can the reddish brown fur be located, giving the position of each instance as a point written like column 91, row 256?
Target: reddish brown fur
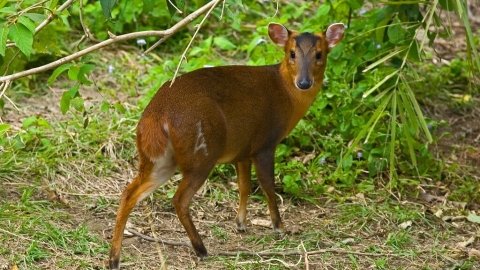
column 231, row 114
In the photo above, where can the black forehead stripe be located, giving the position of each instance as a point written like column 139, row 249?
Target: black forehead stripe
column 306, row 37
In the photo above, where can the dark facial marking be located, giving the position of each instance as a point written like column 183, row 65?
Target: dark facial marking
column 307, row 38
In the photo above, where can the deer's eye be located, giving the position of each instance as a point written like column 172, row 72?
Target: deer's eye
column 292, row 54
column 318, row 56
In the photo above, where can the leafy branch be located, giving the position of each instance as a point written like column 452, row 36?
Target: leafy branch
column 165, row 34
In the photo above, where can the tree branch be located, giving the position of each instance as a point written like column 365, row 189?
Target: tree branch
column 113, row 39
column 191, row 40
column 156, row 240
column 48, row 19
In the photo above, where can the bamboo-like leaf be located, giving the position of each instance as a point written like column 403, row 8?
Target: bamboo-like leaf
column 420, row 117
column 412, row 117
column 462, row 12
column 383, row 93
column 385, row 58
column 428, row 22
column 376, row 115
column 376, row 120
column 393, row 124
column 3, row 40
column 366, row 94
column 406, row 130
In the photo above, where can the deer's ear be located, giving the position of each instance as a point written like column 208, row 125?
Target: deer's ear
column 334, row 34
column 278, row 33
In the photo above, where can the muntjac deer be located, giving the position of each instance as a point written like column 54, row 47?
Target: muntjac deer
column 229, row 114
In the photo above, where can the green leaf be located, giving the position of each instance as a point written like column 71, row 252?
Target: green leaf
column 45, row 41
column 83, row 72
column 107, row 7
column 290, row 185
column 65, row 102
column 380, row 30
column 172, row 7
column 119, row 107
column 78, row 104
column 105, row 106
column 43, row 123
column 29, row 121
column 473, row 218
column 20, row 34
column 27, row 23
column 336, row 51
column 413, row 52
column 8, row 10
column 396, row 34
column 73, row 73
column 224, row 43
column 180, row 4
column 148, row 5
column 73, row 92
column 323, row 11
column 53, row 4
column 36, row 17
column 447, row 4
column 3, row 40
column 4, row 128
column 57, row 72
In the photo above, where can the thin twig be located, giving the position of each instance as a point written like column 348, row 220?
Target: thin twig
column 113, row 39
column 307, row 266
column 156, row 44
column 52, row 16
column 47, row 20
column 157, row 240
column 266, row 253
column 215, row 3
column 3, row 88
column 16, row 235
column 85, row 28
column 299, row 252
column 179, row 11
column 163, row 264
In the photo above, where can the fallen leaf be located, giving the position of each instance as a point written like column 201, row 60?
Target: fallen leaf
column 473, row 218
column 452, row 218
column 262, row 223
column 430, row 198
column 474, row 253
column 405, row 224
column 308, row 157
column 439, row 213
column 466, row 243
column 348, row 241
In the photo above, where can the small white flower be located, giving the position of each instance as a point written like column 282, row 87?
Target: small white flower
column 379, row 46
column 362, row 12
column 110, row 68
column 141, row 42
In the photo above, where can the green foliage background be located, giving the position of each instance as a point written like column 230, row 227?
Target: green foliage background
column 365, row 124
